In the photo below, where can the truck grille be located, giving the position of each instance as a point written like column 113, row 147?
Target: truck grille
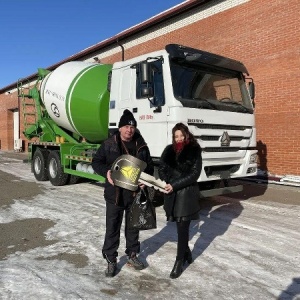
column 222, row 171
column 223, row 138
column 220, row 126
column 216, row 138
column 221, row 149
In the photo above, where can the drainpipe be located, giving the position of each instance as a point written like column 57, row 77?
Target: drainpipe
column 122, row 49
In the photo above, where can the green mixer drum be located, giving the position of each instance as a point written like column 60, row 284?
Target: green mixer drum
column 76, row 98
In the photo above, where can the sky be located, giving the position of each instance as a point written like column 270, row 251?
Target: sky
column 243, row 248
column 39, row 33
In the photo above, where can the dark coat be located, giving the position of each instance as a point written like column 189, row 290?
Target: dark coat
column 106, row 155
column 182, row 172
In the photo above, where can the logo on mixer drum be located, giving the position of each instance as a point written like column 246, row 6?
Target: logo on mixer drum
column 55, row 110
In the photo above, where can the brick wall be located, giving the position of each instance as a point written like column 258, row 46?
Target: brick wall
column 265, row 36
column 9, row 102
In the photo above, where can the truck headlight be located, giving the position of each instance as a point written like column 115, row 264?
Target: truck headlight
column 253, row 158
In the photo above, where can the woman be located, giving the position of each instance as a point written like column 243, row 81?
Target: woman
column 180, row 167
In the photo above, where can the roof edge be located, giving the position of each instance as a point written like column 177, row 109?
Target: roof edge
column 153, row 21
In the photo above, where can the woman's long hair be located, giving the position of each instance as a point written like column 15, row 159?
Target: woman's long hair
column 189, row 138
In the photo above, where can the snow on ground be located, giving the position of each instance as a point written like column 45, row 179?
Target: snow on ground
column 242, row 250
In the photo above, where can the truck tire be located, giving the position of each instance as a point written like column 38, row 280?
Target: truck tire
column 74, row 179
column 40, row 165
column 55, row 170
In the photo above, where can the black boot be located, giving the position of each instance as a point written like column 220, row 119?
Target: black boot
column 177, row 269
column 111, row 267
column 188, row 256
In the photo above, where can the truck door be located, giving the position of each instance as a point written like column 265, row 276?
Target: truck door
column 149, row 110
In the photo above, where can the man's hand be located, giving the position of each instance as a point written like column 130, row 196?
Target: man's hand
column 108, row 175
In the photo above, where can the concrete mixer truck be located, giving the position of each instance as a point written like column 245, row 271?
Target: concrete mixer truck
column 68, row 112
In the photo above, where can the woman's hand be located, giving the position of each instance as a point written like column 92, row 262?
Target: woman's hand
column 168, row 188
column 141, row 185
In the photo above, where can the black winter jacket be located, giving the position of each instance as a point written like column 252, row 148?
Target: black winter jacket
column 182, row 172
column 104, row 158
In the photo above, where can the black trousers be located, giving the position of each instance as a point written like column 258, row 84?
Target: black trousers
column 183, row 228
column 114, row 218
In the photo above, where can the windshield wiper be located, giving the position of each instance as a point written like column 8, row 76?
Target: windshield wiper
column 244, row 108
column 205, row 101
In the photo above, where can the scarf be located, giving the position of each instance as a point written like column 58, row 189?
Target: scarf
column 179, row 146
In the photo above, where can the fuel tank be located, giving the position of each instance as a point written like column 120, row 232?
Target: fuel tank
column 76, row 98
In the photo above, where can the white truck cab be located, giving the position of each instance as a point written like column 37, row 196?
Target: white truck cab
column 209, row 93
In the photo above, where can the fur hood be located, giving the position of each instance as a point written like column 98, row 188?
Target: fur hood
column 188, row 155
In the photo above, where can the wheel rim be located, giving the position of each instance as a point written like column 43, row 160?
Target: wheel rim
column 37, row 165
column 53, row 168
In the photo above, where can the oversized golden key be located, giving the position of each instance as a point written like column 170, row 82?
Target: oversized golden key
column 127, row 172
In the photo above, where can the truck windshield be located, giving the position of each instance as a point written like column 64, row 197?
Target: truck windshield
column 202, row 86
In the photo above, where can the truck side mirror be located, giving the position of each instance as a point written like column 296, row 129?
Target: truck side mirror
column 147, row 92
column 149, row 81
column 252, row 90
column 146, row 80
column 146, row 74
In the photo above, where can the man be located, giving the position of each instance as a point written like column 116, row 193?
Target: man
column 118, row 200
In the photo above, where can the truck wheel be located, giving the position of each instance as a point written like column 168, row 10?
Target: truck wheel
column 74, row 179
column 39, row 164
column 55, row 170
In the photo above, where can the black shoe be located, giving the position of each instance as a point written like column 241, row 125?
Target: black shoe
column 111, row 269
column 177, row 269
column 133, row 261
column 188, row 256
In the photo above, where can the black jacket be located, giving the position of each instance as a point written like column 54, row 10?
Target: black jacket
column 104, row 158
column 182, row 172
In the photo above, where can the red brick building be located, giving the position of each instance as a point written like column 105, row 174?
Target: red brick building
column 264, row 35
